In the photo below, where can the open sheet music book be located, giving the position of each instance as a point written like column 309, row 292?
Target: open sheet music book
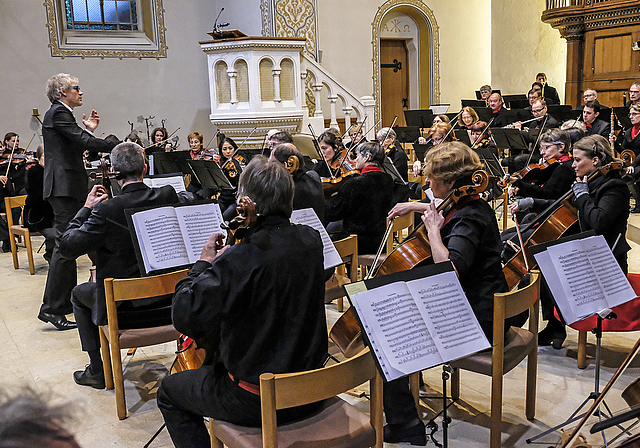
column 176, row 181
column 307, row 216
column 419, row 321
column 172, row 236
column 583, row 276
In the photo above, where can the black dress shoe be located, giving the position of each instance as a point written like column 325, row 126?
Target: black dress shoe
column 60, row 322
column 6, row 246
column 412, row 433
column 553, row 335
column 86, row 378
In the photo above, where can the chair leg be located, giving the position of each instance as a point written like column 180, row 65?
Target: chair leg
column 455, row 384
column 532, row 373
column 27, row 243
column 116, row 361
column 14, row 249
column 215, row 442
column 582, row 349
column 414, row 385
column 341, row 304
column 496, row 409
column 106, row 360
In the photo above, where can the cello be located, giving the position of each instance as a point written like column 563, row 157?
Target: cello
column 413, row 252
column 554, row 223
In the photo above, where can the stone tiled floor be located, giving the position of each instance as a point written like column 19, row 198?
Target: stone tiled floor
column 38, row 356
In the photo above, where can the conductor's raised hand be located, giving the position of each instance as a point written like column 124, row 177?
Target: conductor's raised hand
column 92, row 122
column 213, row 248
column 97, row 194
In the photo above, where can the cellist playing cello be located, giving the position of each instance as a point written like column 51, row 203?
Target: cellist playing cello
column 466, row 235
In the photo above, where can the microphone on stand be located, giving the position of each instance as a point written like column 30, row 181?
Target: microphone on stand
column 215, row 24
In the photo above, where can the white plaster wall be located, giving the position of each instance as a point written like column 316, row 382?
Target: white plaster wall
column 522, row 45
column 243, row 15
column 175, row 87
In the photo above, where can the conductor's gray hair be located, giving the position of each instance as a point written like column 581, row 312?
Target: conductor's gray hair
column 268, row 184
column 61, row 81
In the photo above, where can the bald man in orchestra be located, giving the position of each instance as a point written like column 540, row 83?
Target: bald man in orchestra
column 65, row 186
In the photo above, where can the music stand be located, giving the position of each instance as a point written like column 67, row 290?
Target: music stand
column 171, row 162
column 490, row 162
column 422, row 118
column 519, row 104
column 473, row 103
column 463, row 136
column 484, row 113
column 389, row 168
column 562, row 112
column 509, row 138
column 438, row 109
column 407, row 134
column 209, row 174
column 479, row 95
column 515, row 97
column 622, row 114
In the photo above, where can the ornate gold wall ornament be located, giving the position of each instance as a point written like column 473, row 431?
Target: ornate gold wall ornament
column 55, row 23
column 423, row 15
column 291, row 18
column 267, row 16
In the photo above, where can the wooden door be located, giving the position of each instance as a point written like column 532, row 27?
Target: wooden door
column 394, row 81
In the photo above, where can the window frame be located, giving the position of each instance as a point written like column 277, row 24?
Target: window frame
column 147, row 42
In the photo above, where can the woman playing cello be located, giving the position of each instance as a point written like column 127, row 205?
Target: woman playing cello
column 468, row 236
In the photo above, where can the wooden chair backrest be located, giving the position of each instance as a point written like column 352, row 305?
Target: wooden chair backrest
column 509, row 304
column 348, row 250
column 13, row 202
column 399, row 224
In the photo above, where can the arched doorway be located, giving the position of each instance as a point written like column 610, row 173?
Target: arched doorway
column 404, row 29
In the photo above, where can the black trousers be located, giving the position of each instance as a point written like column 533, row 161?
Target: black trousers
column 62, row 271
column 399, row 406
column 83, row 299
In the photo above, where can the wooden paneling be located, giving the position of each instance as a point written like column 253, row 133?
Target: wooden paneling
column 394, row 82
column 611, row 54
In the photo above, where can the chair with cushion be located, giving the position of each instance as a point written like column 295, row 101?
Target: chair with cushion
column 348, row 250
column 114, row 338
column 19, row 230
column 399, row 224
column 339, row 424
column 508, row 351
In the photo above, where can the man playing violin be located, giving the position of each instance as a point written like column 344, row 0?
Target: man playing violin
column 261, row 301
column 101, row 226
column 65, row 185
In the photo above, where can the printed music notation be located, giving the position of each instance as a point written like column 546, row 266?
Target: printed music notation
column 584, row 277
column 308, row 217
column 418, row 324
column 174, row 236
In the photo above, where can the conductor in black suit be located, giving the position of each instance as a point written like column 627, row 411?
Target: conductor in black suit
column 65, row 186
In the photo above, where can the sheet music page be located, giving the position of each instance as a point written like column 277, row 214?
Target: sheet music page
column 160, row 238
column 613, row 286
column 198, row 223
column 448, row 315
column 307, row 216
column 394, row 321
column 554, row 282
column 177, row 182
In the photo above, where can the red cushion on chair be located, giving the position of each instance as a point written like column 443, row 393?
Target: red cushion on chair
column 628, row 313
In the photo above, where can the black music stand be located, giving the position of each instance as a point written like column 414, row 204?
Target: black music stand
column 479, row 95
column 171, row 162
column 562, row 112
column 473, row 103
column 209, row 174
column 515, row 97
column 509, row 138
column 422, row 118
column 463, row 136
column 519, row 104
column 421, row 150
column 622, row 115
column 407, row 134
column 484, row 113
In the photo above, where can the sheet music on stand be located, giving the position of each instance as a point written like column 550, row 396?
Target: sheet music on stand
column 171, row 162
column 160, row 180
column 416, row 319
column 583, row 275
column 209, row 174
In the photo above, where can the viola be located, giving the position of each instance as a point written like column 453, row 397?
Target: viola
column 413, row 252
column 530, row 173
column 553, row 224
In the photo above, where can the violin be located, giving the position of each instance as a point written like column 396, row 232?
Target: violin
column 553, row 223
column 414, row 251
column 230, row 169
column 529, row 173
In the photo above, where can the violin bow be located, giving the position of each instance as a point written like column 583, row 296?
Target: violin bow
column 390, row 128
column 208, row 144
column 320, row 153
column 163, row 141
column 485, row 130
column 524, row 257
column 15, row 143
column 238, row 148
column 533, row 149
column 451, row 130
column 359, row 128
column 353, row 145
column 374, row 266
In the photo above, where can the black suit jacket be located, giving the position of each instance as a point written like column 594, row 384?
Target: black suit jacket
column 64, row 143
column 599, row 127
column 550, row 94
column 104, row 230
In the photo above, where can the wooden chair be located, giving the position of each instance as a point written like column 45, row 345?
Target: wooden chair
column 339, row 424
column 112, row 337
column 18, row 230
column 348, row 250
column 508, row 351
column 399, row 224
